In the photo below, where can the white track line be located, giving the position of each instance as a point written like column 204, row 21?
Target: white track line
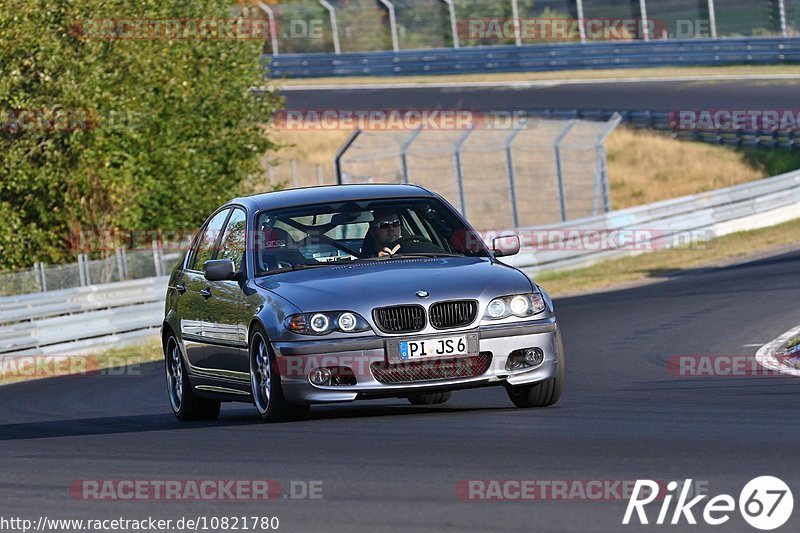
column 522, row 84
column 766, row 354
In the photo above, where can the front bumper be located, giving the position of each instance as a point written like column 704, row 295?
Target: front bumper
column 297, row 359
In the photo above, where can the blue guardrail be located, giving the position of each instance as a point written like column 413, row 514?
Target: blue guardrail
column 531, row 58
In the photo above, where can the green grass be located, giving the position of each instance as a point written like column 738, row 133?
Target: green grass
column 20, row 369
column 772, row 162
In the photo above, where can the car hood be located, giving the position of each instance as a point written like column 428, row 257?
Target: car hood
column 366, row 285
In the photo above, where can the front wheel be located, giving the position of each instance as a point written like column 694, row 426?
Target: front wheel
column 544, row 393
column 185, row 405
column 265, row 383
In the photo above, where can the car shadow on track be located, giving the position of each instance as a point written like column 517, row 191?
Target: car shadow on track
column 240, row 417
column 102, row 426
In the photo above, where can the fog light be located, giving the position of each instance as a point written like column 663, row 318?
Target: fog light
column 320, row 376
column 534, row 356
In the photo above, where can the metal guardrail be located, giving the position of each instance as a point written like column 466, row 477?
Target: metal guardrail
column 668, row 223
column 52, row 320
column 532, row 58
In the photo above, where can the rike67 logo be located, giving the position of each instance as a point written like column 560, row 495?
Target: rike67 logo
column 765, row 503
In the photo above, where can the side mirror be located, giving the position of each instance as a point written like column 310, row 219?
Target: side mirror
column 505, row 246
column 220, row 270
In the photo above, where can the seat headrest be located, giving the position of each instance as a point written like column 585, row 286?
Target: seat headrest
column 275, row 239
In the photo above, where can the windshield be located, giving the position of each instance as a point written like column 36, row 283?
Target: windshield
column 370, row 230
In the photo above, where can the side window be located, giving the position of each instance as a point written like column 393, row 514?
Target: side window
column 207, row 241
column 233, row 244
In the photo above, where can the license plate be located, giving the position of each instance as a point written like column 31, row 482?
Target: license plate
column 432, row 348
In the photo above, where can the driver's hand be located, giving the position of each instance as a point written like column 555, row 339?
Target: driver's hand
column 388, row 252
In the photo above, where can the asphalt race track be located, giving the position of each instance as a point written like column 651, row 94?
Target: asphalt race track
column 632, row 96
column 388, row 466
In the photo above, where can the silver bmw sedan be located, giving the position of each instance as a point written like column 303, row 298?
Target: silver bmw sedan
column 334, row 294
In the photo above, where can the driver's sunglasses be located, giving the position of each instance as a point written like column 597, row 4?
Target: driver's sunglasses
column 388, row 224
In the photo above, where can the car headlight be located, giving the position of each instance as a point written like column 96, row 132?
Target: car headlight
column 319, row 323
column 519, row 305
column 325, row 323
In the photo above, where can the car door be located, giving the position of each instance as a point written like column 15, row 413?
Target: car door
column 193, row 308
column 227, row 321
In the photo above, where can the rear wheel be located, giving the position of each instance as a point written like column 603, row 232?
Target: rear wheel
column 431, row 398
column 544, row 393
column 265, row 382
column 185, row 404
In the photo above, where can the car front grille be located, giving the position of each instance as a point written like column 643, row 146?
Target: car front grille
column 446, row 315
column 400, row 318
column 439, row 369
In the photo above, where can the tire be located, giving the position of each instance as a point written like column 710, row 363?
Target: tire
column 544, row 393
column 185, row 404
column 265, row 383
column 431, row 398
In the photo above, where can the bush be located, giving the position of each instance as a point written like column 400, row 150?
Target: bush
column 158, row 132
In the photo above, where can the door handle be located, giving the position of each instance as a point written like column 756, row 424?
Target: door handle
column 206, row 293
column 180, row 288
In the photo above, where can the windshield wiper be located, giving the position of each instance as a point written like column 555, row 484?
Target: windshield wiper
column 421, row 254
column 306, row 266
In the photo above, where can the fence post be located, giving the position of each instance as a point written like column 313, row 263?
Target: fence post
column 712, row 19
column 320, row 177
column 122, row 264
column 512, row 188
column 273, row 27
column 459, row 176
column 782, row 14
column 404, row 152
column 157, row 258
column 453, row 23
column 559, row 174
column 337, row 49
column 293, row 166
column 517, row 22
column 392, row 24
column 271, row 174
column 337, row 159
column 581, row 22
column 643, row 17
column 83, row 270
column 40, row 274
column 602, row 185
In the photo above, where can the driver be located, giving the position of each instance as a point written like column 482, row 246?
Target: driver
column 384, row 229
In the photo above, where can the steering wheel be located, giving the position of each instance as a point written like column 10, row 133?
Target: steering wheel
column 408, row 238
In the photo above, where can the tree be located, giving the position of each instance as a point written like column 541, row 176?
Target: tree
column 103, row 132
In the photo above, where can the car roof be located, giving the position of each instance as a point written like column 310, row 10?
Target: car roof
column 330, row 193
